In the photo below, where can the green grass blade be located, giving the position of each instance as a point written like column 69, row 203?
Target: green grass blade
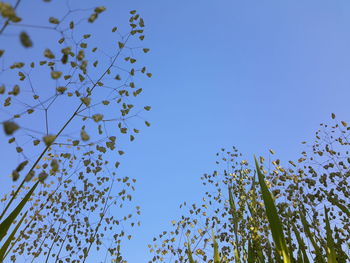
column 216, row 249
column 5, row 246
column 302, row 247
column 233, row 210
column 290, row 243
column 235, row 224
column 342, row 207
column 189, row 253
column 251, row 254
column 5, row 225
column 309, row 235
column 260, row 254
column 273, row 218
column 300, row 257
column 331, row 255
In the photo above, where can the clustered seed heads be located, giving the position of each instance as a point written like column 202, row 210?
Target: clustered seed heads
column 74, row 124
column 233, row 208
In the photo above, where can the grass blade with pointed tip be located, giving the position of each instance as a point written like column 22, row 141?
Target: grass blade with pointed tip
column 189, row 253
column 300, row 257
column 233, row 210
column 302, row 247
column 290, row 243
column 251, row 254
column 343, row 208
column 331, row 255
column 5, row 225
column 10, row 238
column 309, row 235
column 235, row 223
column 216, row 249
column 273, row 218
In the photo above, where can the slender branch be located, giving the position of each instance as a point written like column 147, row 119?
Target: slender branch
column 62, row 129
column 53, row 242
column 64, row 240
column 101, row 218
column 7, row 22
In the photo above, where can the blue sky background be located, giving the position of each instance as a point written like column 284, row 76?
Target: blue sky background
column 253, row 74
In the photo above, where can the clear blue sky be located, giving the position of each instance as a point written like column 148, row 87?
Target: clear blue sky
column 254, row 74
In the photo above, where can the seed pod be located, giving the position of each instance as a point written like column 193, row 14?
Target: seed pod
column 49, row 139
column 84, row 136
column 29, row 176
column 21, row 166
column 25, row 39
column 15, row 175
column 10, row 127
column 42, row 176
column 54, row 165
